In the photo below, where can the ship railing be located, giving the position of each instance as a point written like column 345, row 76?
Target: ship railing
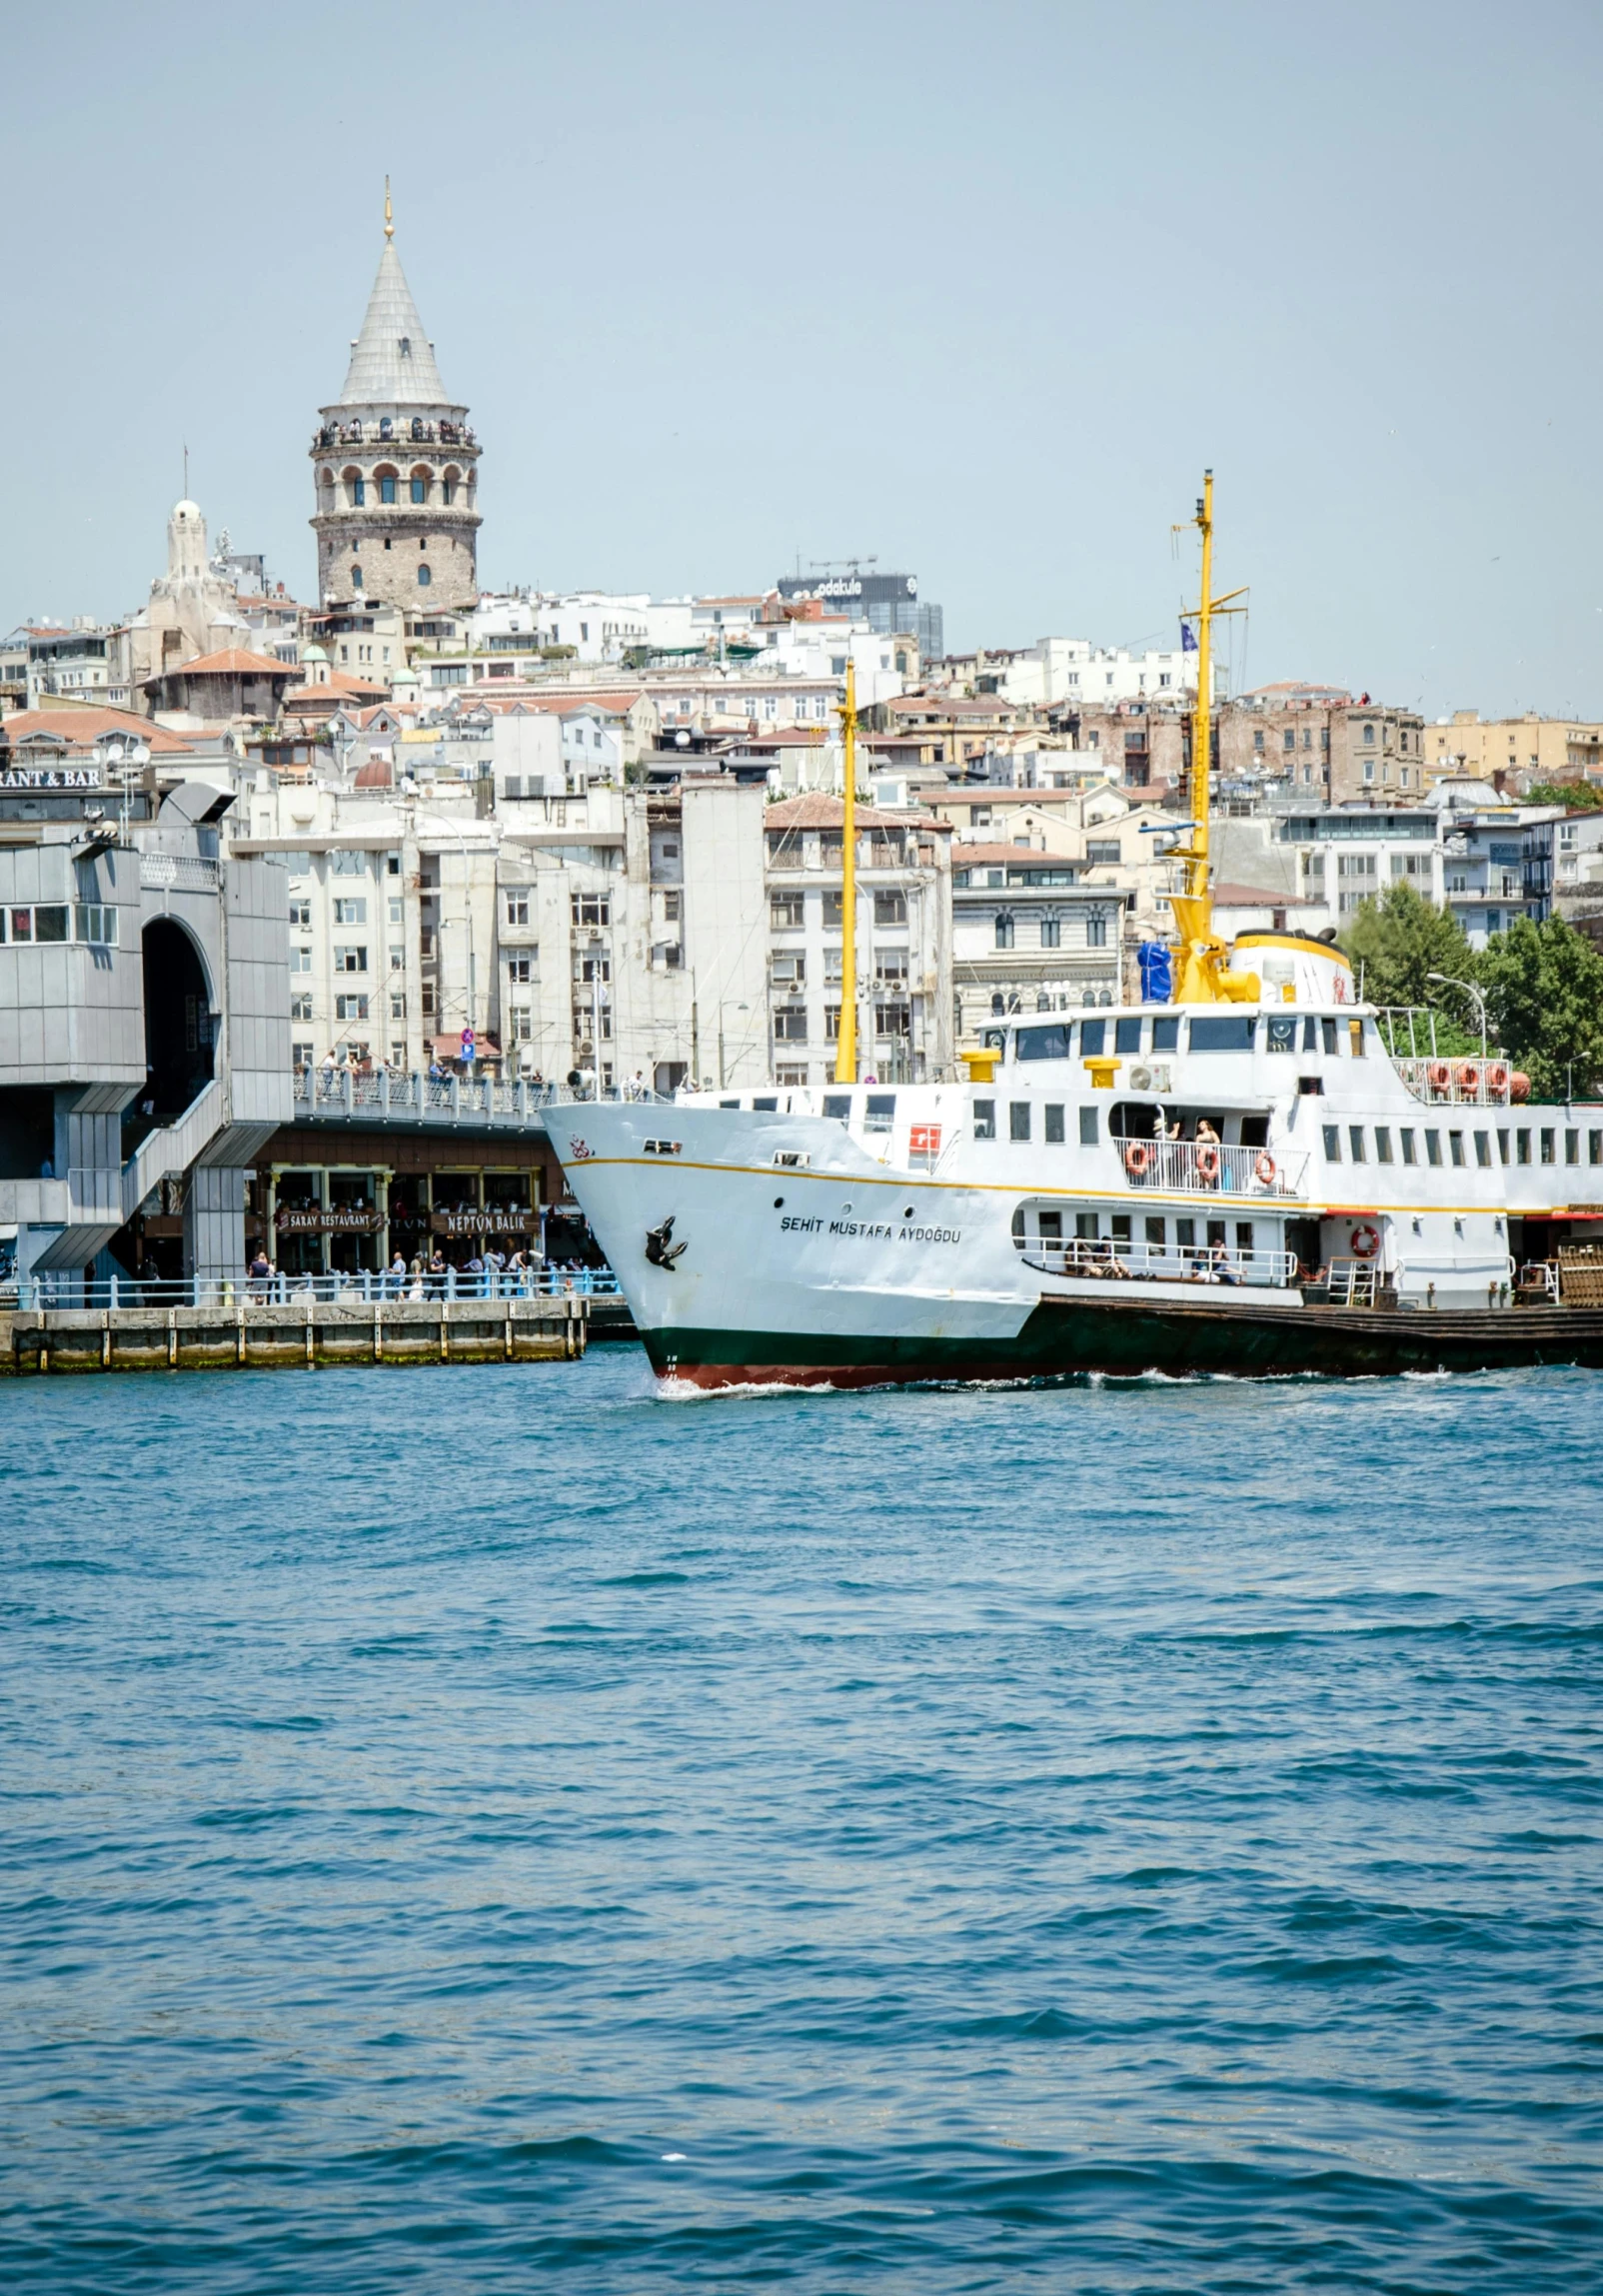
column 1119, row 1261
column 1206, row 1167
column 1470, row 1083
column 341, row 1287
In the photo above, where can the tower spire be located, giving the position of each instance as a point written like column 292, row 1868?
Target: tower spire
column 389, row 213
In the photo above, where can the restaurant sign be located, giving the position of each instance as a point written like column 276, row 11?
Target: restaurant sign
column 485, row 1219
column 50, row 778
column 326, row 1219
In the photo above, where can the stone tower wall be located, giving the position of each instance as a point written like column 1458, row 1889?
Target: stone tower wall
column 391, row 541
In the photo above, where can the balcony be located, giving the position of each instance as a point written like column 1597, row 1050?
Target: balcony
column 1204, row 1169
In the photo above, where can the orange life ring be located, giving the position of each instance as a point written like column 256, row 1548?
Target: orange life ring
column 1207, row 1161
column 1438, row 1075
column 1137, row 1157
column 1265, row 1167
column 1365, row 1241
column 1468, row 1076
column 1519, row 1086
column 1497, row 1077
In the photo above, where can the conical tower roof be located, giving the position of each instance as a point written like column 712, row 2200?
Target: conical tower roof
column 391, row 359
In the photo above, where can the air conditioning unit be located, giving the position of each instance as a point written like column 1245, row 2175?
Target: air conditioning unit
column 1140, row 1079
column 1163, row 1076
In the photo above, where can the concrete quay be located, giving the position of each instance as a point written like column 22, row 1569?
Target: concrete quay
column 296, row 1333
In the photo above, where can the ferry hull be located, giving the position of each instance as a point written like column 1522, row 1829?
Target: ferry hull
column 1064, row 1339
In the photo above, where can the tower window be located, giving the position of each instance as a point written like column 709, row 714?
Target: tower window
column 419, row 490
column 385, row 490
column 356, row 578
column 359, row 492
column 406, row 346
column 423, row 577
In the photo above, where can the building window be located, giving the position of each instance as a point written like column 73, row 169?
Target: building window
column 350, row 959
column 356, row 578
column 350, row 910
column 301, row 1006
column 891, row 909
column 300, row 960
column 387, row 490
column 1051, row 933
column 359, row 492
column 520, row 966
column 1096, row 932
column 350, row 1007
column 592, row 908
column 424, row 578
column 523, row 1024
column 419, row 490
column 1005, row 931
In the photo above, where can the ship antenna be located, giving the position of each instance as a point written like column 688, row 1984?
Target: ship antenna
column 846, row 1058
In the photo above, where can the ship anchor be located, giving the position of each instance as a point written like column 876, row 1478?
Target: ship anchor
column 661, row 1250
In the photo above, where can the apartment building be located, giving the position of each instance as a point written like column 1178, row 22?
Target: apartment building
column 903, row 941
column 1519, row 749
column 1030, row 936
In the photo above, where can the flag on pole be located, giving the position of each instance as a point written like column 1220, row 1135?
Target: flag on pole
column 1187, row 639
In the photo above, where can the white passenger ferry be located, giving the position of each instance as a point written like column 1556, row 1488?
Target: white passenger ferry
column 1246, row 1179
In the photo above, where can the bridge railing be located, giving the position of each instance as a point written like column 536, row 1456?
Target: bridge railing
column 337, row 1092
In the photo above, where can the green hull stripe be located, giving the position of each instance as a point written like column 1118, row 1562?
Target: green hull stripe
column 1061, row 1340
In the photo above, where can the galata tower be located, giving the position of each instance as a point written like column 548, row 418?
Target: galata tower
column 395, row 465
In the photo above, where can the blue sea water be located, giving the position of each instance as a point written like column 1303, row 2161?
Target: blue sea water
column 483, row 1829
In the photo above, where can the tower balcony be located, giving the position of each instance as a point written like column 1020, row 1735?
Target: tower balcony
column 396, row 431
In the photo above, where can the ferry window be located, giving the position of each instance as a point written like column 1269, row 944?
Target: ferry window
column 1092, row 1037
column 1355, row 1039
column 1549, row 1145
column 1594, row 1148
column 1355, row 1141
column 984, row 1119
column 1088, row 1127
column 1483, row 1149
column 1328, row 1029
column 1282, row 1032
column 1018, row 1120
column 1086, row 1224
column 1048, row 1044
column 1455, row 1141
column 1310, row 1035
column 1120, row 1226
column 1054, row 1121
column 1156, row 1234
column 1522, row 1146
column 1333, row 1134
column 1407, row 1138
column 771, row 1102
column 1051, row 1228
column 1216, row 1234
column 1166, row 1033
column 1127, row 1034
column 729, row 1103
column 1222, row 1031
column 1433, row 1148
column 838, row 1105
column 880, row 1112
column 1572, row 1147
column 1185, row 1234
column 1382, row 1144
column 1502, row 1149
column 1243, row 1235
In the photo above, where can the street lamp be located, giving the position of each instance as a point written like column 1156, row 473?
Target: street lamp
column 1470, row 989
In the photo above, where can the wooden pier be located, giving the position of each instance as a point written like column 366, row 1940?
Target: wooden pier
column 293, row 1333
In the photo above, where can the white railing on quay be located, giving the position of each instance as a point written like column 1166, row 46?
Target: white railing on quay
column 1159, row 1262
column 1207, row 1168
column 358, row 1288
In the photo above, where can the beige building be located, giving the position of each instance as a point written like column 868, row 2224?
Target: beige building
column 1538, row 748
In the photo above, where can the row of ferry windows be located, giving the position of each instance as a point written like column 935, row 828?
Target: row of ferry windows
column 1209, row 1032
column 1121, row 1229
column 1512, row 1146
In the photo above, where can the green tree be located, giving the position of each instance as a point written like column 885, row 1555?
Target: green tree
column 1544, row 995
column 1580, row 797
column 1399, row 940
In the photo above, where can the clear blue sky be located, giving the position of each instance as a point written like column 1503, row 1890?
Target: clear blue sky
column 978, row 289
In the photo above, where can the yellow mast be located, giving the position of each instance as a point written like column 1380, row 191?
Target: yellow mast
column 846, row 1058
column 1204, row 976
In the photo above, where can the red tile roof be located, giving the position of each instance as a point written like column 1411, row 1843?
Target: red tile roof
column 992, row 856
column 232, row 662
column 817, row 810
column 82, row 725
